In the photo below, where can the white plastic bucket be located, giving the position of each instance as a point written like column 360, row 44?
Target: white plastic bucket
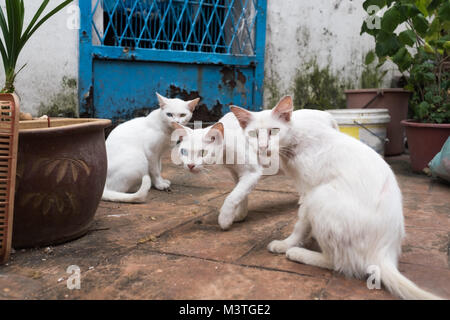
column 367, row 125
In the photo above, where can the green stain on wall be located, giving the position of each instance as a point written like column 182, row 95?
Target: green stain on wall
column 63, row 103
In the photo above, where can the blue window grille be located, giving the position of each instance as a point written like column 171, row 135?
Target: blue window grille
column 214, row 37
column 218, row 26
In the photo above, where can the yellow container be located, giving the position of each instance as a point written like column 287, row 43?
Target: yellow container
column 367, row 125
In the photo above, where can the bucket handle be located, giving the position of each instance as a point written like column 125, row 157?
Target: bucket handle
column 379, row 93
column 383, row 140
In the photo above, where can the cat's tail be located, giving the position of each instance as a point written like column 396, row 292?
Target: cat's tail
column 401, row 286
column 137, row 197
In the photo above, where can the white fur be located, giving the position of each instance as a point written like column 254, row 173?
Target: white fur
column 246, row 175
column 134, row 150
column 352, row 204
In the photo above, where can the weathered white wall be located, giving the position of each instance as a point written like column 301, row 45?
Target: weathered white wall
column 299, row 30
column 50, row 55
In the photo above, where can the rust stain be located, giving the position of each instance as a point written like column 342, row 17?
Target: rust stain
column 88, row 104
column 228, row 77
column 202, row 112
column 176, row 92
column 240, row 77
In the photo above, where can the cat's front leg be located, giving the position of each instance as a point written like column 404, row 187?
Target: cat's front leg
column 242, row 209
column 155, row 174
column 301, row 231
column 228, row 212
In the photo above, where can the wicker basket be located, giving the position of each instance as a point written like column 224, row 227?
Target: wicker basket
column 9, row 132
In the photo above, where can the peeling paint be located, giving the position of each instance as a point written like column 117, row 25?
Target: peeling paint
column 202, row 112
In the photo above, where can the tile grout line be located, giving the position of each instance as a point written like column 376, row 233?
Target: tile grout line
column 235, row 264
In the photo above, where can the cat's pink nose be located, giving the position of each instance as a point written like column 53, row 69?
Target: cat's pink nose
column 191, row 166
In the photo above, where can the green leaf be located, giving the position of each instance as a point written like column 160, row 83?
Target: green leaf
column 48, row 16
column 370, row 57
column 387, row 44
column 408, row 10
column 422, row 5
column 402, row 59
column 407, row 37
column 444, row 11
column 391, row 19
column 429, row 76
column 447, row 45
column 433, row 5
column 420, row 24
column 428, row 48
column 422, row 109
column 434, row 32
column 34, row 19
column 366, row 29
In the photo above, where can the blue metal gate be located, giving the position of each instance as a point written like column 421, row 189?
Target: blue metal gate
column 129, row 49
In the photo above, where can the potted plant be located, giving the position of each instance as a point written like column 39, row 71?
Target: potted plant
column 373, row 95
column 415, row 36
column 61, row 165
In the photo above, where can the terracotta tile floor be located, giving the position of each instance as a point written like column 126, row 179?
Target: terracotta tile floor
column 191, row 258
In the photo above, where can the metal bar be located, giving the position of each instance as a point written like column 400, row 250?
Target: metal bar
column 230, row 6
column 379, row 93
column 207, row 28
column 139, row 54
column 192, row 32
column 178, row 21
column 85, row 68
column 385, row 140
column 162, row 21
column 260, row 42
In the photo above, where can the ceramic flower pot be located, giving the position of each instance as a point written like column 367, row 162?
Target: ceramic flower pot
column 425, row 140
column 396, row 101
column 61, row 172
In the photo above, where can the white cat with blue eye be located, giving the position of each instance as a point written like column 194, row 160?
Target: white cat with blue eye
column 134, row 151
column 225, row 140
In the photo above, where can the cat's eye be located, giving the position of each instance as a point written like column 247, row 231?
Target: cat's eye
column 183, row 152
column 203, row 153
column 183, row 115
column 169, row 114
column 253, row 133
column 274, row 131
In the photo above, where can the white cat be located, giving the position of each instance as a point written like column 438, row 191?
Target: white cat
column 352, row 204
column 201, row 147
column 134, row 150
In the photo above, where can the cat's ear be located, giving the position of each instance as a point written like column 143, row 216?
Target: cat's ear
column 283, row 109
column 163, row 101
column 192, row 104
column 178, row 132
column 244, row 117
column 215, row 133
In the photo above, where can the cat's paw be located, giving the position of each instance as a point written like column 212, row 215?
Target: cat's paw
column 296, row 254
column 163, row 184
column 225, row 221
column 278, row 246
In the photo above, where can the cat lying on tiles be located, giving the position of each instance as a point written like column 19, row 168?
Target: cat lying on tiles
column 224, row 144
column 134, row 150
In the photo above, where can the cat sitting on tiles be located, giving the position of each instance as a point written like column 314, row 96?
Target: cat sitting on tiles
column 134, row 151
